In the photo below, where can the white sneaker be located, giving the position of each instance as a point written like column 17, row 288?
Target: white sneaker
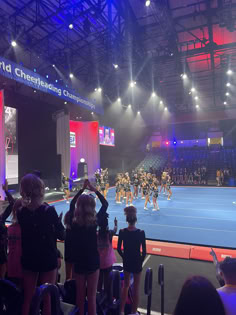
column 131, row 204
column 143, row 197
column 68, row 201
column 145, row 208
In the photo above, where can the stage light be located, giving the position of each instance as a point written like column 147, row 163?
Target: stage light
column 129, row 106
column 225, row 103
column 196, row 98
column 227, row 93
column 181, row 142
column 77, row 117
column 35, row 91
column 71, row 75
column 197, row 106
column 161, row 102
column 99, row 89
column 153, row 94
column 227, row 84
column 165, row 108
column 148, row 2
column 71, row 26
column 82, row 160
column 167, row 142
column 14, row 43
column 116, row 66
column 92, row 113
column 184, row 76
column 53, row 66
column 118, row 100
column 132, row 84
column 56, row 81
column 35, row 70
column 193, row 89
column 229, row 72
column 65, row 102
column 47, row 76
column 95, row 90
column 138, row 112
column 174, row 142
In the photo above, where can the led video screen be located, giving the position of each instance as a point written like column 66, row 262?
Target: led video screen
column 106, row 136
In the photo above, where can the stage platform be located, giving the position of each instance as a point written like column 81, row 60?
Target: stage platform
column 195, row 216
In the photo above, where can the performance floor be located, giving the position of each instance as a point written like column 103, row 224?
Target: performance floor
column 194, row 215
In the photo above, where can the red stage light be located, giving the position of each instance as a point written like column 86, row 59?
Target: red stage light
column 167, row 142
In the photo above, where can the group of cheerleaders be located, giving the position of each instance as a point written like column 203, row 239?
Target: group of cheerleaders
column 128, row 188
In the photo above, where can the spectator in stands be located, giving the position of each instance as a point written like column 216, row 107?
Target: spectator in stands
column 228, row 291
column 40, row 228
column 84, row 242
column 106, row 253
column 132, row 240
column 3, row 231
column 198, row 296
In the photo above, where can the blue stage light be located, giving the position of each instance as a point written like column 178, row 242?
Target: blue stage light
column 47, row 76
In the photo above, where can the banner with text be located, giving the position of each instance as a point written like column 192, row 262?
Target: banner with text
column 19, row 73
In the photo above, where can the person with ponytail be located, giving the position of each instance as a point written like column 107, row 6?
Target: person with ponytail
column 132, row 239
column 40, row 229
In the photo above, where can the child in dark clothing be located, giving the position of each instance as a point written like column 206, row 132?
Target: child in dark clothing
column 132, row 239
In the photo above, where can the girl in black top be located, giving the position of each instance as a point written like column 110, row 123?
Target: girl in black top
column 132, row 239
column 84, row 246
column 40, row 228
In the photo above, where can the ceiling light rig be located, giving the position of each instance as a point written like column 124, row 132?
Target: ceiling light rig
column 71, row 75
column 147, row 3
column 229, row 72
column 132, row 83
column 14, row 43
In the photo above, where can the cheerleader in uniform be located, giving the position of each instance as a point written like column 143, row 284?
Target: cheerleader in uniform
column 155, row 192
column 146, row 192
column 163, row 182
column 136, row 185
column 128, row 192
column 103, row 187
column 168, row 187
column 118, row 191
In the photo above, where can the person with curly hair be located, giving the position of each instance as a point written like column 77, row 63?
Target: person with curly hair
column 132, row 239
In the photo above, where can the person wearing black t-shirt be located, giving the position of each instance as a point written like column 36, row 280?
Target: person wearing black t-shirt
column 40, row 229
column 132, row 239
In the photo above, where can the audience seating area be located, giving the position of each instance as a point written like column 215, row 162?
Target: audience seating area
column 63, row 295
column 212, row 158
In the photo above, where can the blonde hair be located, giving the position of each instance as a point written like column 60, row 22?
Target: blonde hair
column 85, row 214
column 32, row 188
column 131, row 215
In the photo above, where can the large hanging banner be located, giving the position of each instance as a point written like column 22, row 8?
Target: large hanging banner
column 2, row 146
column 20, row 74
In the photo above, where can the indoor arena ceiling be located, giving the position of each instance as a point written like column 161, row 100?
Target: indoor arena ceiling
column 152, row 45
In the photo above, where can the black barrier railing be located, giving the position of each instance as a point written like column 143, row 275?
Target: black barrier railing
column 41, row 292
column 148, row 289
column 161, row 283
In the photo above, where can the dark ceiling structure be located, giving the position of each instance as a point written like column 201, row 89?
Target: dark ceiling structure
column 180, row 49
